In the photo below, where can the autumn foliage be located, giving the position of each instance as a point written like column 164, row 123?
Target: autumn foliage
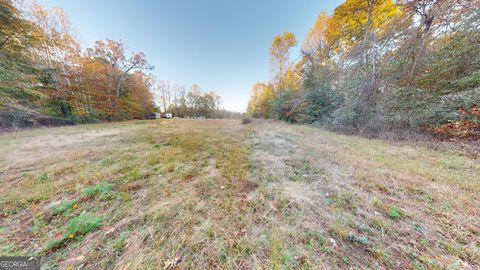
column 466, row 128
column 47, row 78
column 380, row 67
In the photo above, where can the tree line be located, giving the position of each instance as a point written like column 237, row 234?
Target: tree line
column 194, row 103
column 380, row 66
column 46, row 78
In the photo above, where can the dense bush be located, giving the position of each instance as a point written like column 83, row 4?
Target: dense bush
column 393, row 67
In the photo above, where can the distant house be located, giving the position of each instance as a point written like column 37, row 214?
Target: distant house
column 154, row 115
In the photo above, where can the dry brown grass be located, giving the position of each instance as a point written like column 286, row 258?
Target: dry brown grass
column 362, row 185
column 217, row 194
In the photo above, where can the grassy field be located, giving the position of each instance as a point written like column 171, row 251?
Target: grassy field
column 215, row 194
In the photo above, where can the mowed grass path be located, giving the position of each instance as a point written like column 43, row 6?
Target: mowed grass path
column 215, row 194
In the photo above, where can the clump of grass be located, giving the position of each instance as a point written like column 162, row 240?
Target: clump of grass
column 447, row 206
column 39, row 224
column 296, row 176
column 209, row 232
column 83, row 224
column 288, row 259
column 107, row 196
column 327, row 201
column 276, row 248
column 345, row 200
column 394, row 212
column 376, row 202
column 366, row 228
column 100, row 188
column 362, row 240
column 119, row 244
column 391, row 210
column 211, row 152
column 314, row 238
column 381, row 254
column 301, row 169
column 380, row 224
column 340, row 225
column 134, row 174
column 65, row 207
column 78, row 226
column 9, row 250
column 171, row 167
column 43, row 177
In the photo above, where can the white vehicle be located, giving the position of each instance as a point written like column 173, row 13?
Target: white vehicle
column 168, row 115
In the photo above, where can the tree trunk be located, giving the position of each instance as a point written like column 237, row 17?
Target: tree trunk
column 117, row 95
column 367, row 30
column 5, row 40
column 419, row 46
column 369, row 78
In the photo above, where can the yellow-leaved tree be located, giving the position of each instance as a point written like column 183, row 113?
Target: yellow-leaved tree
column 280, row 56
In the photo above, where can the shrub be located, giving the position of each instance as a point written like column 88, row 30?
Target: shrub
column 246, row 120
column 319, row 105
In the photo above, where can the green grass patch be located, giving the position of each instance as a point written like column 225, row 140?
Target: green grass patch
column 359, row 239
column 119, row 244
column 9, row 250
column 83, row 224
column 42, row 178
column 394, row 212
column 65, row 207
column 100, row 188
column 107, row 162
column 78, row 226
